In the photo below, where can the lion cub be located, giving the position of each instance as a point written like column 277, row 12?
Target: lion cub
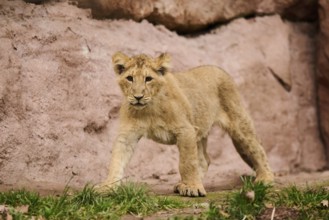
column 180, row 109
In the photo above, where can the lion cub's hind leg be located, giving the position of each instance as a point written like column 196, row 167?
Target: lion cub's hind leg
column 253, row 154
column 239, row 126
column 249, row 148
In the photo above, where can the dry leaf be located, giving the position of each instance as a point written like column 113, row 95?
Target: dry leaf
column 269, row 205
column 325, row 203
column 22, row 209
column 9, row 217
column 226, row 215
column 3, row 208
column 204, row 205
column 250, row 195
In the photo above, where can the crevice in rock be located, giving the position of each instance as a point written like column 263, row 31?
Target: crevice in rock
column 2, row 109
column 94, row 128
column 285, row 85
column 37, row 2
column 211, row 27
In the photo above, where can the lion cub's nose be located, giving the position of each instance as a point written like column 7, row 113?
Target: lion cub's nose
column 139, row 97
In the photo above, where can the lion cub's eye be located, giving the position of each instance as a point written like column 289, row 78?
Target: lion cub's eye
column 130, row 78
column 148, row 79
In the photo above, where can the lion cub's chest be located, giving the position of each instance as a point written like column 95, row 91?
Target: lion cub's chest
column 161, row 134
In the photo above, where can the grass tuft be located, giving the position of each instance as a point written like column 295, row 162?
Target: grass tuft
column 88, row 196
column 249, row 201
column 130, row 198
column 260, row 201
column 246, row 203
column 309, row 202
column 133, row 199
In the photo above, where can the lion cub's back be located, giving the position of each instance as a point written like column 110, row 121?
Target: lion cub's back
column 203, row 79
column 203, row 87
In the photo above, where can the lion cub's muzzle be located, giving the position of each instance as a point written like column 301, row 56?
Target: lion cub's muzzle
column 138, row 101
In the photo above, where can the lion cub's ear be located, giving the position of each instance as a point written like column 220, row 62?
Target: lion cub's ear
column 119, row 61
column 163, row 63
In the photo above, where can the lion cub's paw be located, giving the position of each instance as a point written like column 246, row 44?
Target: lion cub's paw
column 104, row 188
column 190, row 190
column 267, row 178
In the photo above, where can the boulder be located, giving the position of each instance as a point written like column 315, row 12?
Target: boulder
column 187, row 16
column 59, row 100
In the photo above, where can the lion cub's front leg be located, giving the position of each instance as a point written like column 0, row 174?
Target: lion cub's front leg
column 123, row 149
column 191, row 184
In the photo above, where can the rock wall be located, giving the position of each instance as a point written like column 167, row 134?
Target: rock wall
column 323, row 71
column 188, row 16
column 59, row 101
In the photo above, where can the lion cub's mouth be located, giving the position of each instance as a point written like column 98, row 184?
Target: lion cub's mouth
column 138, row 104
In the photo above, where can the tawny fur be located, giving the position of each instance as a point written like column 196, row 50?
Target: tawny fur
column 180, row 109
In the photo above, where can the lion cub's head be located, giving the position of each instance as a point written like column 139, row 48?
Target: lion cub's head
column 140, row 77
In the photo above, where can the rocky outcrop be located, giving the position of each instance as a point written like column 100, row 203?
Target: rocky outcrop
column 59, row 100
column 323, row 71
column 188, row 16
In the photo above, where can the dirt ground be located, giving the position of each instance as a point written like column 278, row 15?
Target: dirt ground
column 281, row 180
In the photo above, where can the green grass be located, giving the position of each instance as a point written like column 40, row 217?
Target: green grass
column 127, row 199
column 256, row 201
column 310, row 202
column 245, row 203
column 251, row 201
